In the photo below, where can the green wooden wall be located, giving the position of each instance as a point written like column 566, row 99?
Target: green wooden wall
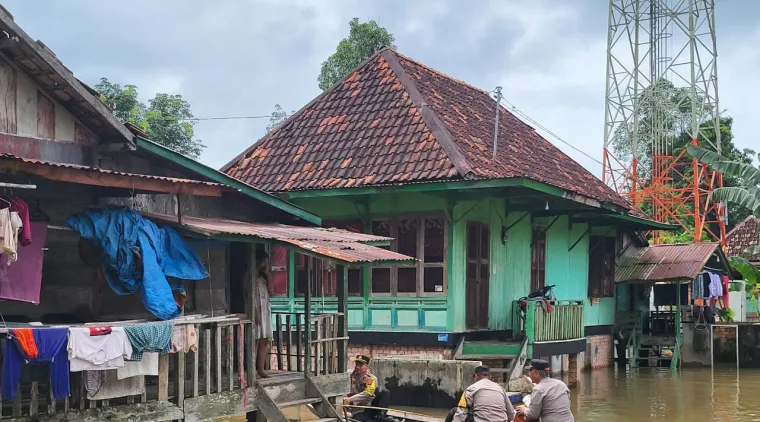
column 510, row 263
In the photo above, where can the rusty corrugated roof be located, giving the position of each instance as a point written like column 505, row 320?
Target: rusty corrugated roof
column 341, row 245
column 394, row 120
column 11, row 158
column 674, row 263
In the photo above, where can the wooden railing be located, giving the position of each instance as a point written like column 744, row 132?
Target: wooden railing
column 223, row 362
column 564, row 322
column 316, row 347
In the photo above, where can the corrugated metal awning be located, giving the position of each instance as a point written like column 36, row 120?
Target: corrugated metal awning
column 667, row 263
column 95, row 176
column 340, row 245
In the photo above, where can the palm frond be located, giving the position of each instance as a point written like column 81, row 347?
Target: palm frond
column 746, row 172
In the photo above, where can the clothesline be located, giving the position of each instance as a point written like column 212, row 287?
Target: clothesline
column 183, row 320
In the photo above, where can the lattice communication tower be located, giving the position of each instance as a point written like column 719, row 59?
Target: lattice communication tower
column 662, row 93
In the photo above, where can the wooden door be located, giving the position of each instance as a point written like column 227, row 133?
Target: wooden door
column 477, row 275
column 538, row 259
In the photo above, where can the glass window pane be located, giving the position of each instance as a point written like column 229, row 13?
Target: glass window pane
column 381, row 280
column 434, row 240
column 407, row 237
column 355, row 282
column 407, row 280
column 434, row 279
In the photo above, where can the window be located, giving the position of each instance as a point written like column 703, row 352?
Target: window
column 355, row 274
column 325, row 280
column 538, row 259
column 601, row 266
column 278, row 261
column 423, row 238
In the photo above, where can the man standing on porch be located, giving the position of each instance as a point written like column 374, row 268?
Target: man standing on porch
column 550, row 399
column 263, row 314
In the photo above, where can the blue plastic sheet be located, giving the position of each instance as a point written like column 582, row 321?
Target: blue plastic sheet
column 120, row 233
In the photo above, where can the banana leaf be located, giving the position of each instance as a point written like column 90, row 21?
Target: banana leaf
column 743, row 197
column 749, row 272
column 746, row 172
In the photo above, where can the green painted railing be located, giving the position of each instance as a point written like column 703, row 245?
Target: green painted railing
column 564, row 322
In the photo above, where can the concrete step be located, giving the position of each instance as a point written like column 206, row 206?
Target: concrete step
column 301, row 402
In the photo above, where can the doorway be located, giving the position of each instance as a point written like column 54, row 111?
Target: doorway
column 477, row 275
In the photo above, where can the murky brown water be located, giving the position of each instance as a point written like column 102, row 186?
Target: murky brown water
column 692, row 395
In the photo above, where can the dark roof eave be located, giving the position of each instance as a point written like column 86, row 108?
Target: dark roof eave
column 219, row 177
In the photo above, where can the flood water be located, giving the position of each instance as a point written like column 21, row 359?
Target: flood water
column 691, row 395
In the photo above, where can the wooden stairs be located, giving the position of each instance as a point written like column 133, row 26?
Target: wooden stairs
column 279, row 393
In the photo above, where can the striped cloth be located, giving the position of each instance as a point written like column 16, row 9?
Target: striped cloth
column 152, row 337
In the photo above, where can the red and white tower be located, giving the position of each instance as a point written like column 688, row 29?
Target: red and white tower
column 662, row 93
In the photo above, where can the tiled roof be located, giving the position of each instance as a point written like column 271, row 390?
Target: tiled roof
column 741, row 237
column 396, row 120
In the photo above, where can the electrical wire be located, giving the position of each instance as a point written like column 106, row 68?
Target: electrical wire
column 532, row 121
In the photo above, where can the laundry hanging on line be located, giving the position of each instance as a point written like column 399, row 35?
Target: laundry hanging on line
column 36, row 346
column 138, row 256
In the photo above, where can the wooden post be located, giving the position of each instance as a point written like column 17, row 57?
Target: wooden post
column 342, row 292
column 51, row 404
column 318, row 345
column 299, row 331
column 307, row 313
column 163, row 377
column 196, row 361
column 288, row 322
column 251, row 299
column 278, row 340
column 530, row 326
column 34, row 405
column 207, row 360
column 218, row 356
column 231, row 356
column 179, row 388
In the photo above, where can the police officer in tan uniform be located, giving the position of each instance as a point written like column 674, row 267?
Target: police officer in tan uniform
column 363, row 389
column 550, row 399
column 484, row 401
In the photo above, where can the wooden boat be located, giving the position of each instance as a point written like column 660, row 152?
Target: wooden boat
column 404, row 416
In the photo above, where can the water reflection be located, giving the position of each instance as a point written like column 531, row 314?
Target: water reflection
column 638, row 395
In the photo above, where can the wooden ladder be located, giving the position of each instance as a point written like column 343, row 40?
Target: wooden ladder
column 276, row 395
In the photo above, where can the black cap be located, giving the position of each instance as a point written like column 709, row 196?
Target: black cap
column 362, row 359
column 482, row 370
column 540, row 365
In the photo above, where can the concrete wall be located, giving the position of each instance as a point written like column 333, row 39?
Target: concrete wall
column 422, row 382
column 599, row 352
column 689, row 356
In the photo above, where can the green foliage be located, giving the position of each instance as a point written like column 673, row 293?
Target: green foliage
column 278, row 116
column 726, row 314
column 364, row 38
column 166, row 119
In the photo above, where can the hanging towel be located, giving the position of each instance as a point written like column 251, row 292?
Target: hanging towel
column 147, row 366
column 105, row 385
column 716, row 288
column 184, row 338
column 697, row 288
column 50, row 345
column 100, row 352
column 726, row 288
column 22, row 280
column 705, row 285
column 22, row 208
column 126, row 239
column 152, row 337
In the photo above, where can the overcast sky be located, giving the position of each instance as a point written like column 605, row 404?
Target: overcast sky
column 239, row 58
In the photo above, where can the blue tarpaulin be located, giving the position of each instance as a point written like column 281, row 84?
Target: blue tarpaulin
column 123, row 236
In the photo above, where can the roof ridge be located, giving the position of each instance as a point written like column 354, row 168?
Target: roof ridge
column 300, row 111
column 432, row 121
column 438, row 72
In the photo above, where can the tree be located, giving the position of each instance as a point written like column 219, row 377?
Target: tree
column 167, row 119
column 363, row 40
column 278, row 116
column 747, row 195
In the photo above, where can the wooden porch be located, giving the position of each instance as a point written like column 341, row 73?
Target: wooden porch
column 215, row 381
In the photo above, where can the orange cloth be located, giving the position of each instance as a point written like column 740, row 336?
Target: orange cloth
column 25, row 340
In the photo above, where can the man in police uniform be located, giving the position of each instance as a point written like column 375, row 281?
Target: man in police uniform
column 484, row 401
column 550, row 399
column 363, row 389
